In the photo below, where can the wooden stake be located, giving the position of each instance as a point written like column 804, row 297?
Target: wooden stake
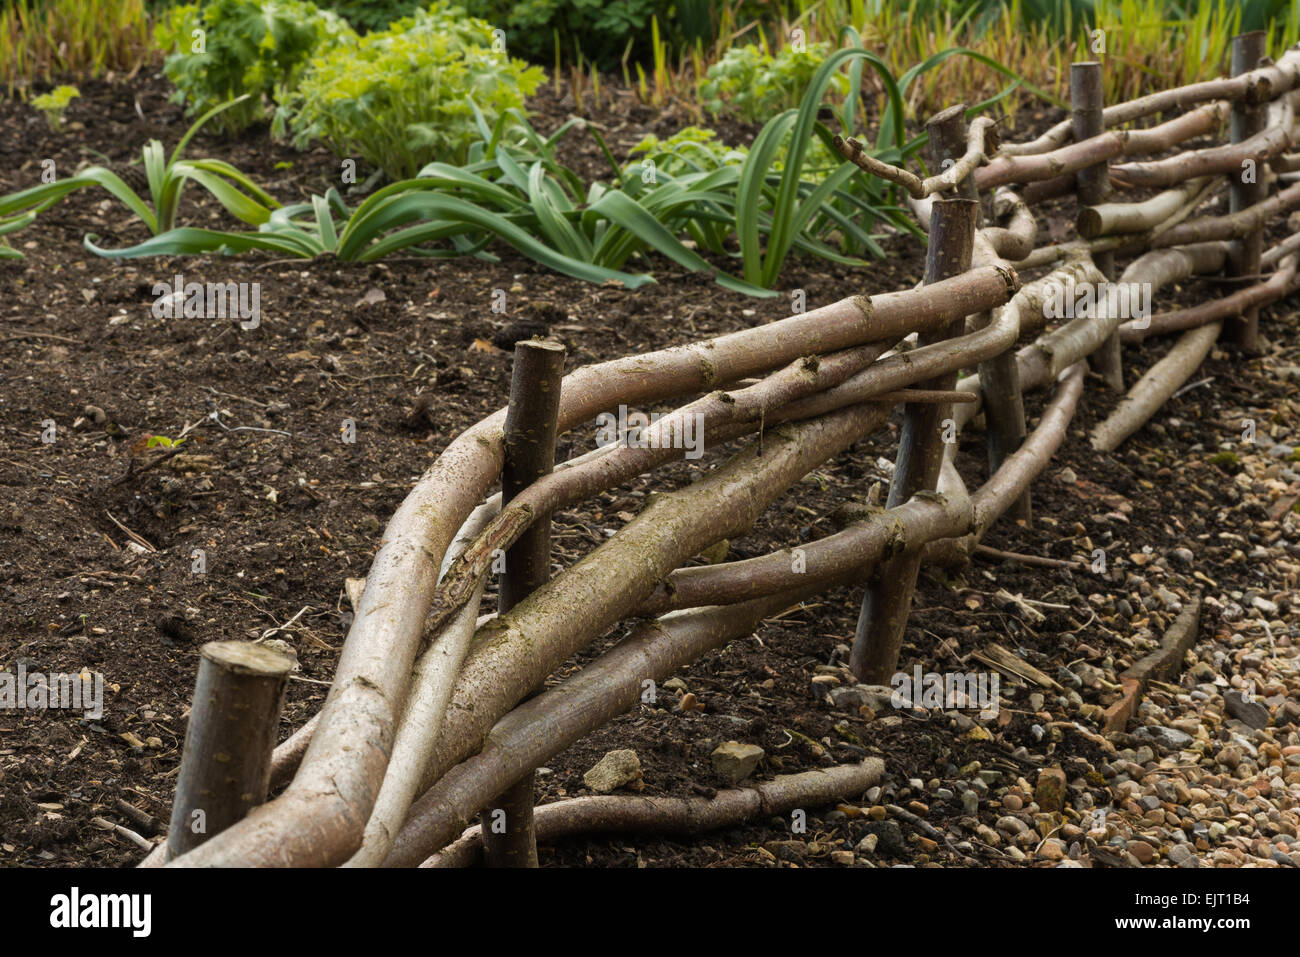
column 226, row 765
column 1247, row 119
column 510, row 838
column 947, row 130
column 1091, row 186
column 888, row 600
column 1004, row 407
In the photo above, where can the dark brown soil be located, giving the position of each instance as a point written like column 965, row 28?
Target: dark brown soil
column 284, row 510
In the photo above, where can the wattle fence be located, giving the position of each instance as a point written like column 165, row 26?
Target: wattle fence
column 436, row 715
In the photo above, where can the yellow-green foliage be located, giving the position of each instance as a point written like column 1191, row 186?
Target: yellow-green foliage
column 406, row 96
column 53, row 104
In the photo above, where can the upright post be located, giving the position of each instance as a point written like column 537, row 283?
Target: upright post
column 226, row 763
column 1248, row 187
column 888, row 600
column 509, row 836
column 1091, row 186
column 1004, row 406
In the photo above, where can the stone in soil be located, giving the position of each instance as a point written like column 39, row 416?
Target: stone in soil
column 615, row 770
column 733, row 761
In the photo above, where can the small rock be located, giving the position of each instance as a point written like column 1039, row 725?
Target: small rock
column 790, row 851
column 1011, row 825
column 879, row 698
column 733, row 761
column 1049, row 793
column 890, row 837
column 1170, row 739
column 1269, row 608
column 1143, row 851
column 1053, row 849
column 847, row 699
column 1180, row 853
column 1251, row 712
column 613, row 771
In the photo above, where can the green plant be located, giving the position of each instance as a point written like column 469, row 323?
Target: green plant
column 11, row 225
column 224, row 49
column 165, row 442
column 54, row 103
column 682, row 197
column 40, row 39
column 756, row 85
column 166, row 178
column 530, row 208
column 406, row 96
column 691, row 148
column 513, row 190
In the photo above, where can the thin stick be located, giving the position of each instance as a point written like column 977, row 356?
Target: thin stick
column 139, row 540
column 1106, row 218
column 669, row 815
column 1038, row 561
column 1277, row 285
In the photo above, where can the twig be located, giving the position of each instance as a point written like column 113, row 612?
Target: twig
column 216, row 417
column 1037, row 560
column 285, row 627
column 928, row 829
column 41, row 335
column 852, row 150
column 143, row 819
column 1194, row 385
column 142, row 542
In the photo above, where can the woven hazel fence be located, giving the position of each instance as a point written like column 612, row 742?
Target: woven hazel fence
column 436, row 715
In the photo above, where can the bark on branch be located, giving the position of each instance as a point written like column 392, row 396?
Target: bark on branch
column 685, row 816
column 1211, row 161
column 1005, row 169
column 1153, row 390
